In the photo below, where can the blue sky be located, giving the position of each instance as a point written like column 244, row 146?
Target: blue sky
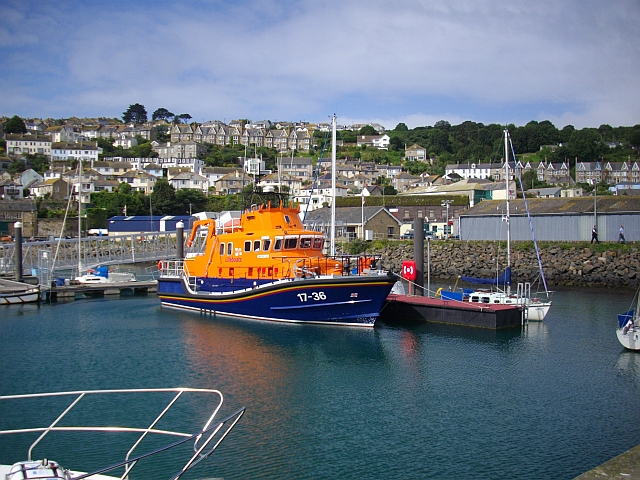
column 414, row 61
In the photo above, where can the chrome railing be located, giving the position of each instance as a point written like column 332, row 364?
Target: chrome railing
column 205, row 440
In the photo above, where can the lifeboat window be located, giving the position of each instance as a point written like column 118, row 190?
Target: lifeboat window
column 305, row 242
column 474, row 299
column 290, row 243
column 247, row 245
column 229, row 248
column 317, row 243
column 278, row 244
column 266, row 243
column 287, row 219
column 486, row 300
column 256, row 245
column 222, row 249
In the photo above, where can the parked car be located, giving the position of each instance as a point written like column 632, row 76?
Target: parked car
column 409, row 235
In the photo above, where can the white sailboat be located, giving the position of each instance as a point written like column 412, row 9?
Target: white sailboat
column 535, row 309
column 101, row 274
column 628, row 331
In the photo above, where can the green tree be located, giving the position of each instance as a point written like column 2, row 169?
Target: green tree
column 401, row 127
column 367, row 130
column 106, row 144
column 442, row 125
column 39, row 163
column 124, row 187
column 16, row 166
column 163, row 198
column 182, row 118
column 634, row 138
column 15, row 125
column 136, row 113
column 189, row 200
column 162, row 114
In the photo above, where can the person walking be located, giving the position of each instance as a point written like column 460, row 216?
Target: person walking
column 621, row 235
column 594, row 234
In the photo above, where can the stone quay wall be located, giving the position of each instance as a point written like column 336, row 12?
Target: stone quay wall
column 563, row 264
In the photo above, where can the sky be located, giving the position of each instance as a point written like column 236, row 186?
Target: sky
column 573, row 62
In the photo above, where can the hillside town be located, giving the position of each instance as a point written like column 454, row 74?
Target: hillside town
column 73, row 164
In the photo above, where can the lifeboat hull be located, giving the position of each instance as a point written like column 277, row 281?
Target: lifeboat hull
column 345, row 300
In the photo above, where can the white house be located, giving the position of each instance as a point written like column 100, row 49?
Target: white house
column 381, row 142
column 87, row 152
column 313, row 198
column 139, row 180
column 190, row 180
column 19, row 144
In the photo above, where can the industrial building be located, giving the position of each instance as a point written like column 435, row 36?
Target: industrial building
column 554, row 219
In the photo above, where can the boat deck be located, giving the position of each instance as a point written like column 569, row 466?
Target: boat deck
column 10, row 286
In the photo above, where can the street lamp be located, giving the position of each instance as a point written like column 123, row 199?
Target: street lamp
column 446, row 203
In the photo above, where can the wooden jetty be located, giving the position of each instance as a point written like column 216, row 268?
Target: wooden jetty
column 452, row 312
column 100, row 289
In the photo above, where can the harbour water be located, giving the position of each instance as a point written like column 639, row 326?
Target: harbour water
column 409, row 401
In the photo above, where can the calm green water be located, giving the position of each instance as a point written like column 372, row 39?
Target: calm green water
column 409, row 401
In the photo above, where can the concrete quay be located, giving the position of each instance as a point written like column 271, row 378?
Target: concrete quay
column 625, row 466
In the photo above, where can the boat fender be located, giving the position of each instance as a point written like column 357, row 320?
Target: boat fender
column 438, row 292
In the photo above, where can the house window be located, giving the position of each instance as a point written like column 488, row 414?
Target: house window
column 390, row 232
column 420, row 214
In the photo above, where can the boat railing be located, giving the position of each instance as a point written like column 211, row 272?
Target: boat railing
column 359, row 264
column 205, row 440
column 172, row 268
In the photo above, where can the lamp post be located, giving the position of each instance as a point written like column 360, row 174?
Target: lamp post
column 446, row 203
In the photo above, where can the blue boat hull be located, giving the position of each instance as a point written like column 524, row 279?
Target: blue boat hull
column 349, row 300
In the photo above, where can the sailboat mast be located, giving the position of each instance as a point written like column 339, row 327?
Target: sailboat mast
column 507, row 175
column 79, row 216
column 333, row 185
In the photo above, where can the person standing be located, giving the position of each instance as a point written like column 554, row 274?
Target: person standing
column 594, row 234
column 621, row 235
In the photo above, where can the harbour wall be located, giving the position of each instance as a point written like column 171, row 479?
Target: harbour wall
column 564, row 264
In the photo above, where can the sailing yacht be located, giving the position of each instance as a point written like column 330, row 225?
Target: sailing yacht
column 535, row 308
column 628, row 331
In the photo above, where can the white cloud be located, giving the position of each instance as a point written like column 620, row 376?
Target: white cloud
column 490, row 61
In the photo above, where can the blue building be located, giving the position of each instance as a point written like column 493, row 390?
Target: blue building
column 123, row 225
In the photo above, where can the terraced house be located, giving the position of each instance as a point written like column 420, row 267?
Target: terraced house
column 609, row 172
column 34, row 144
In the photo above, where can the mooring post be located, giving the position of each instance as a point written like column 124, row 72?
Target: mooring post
column 18, row 250
column 418, row 254
column 179, row 241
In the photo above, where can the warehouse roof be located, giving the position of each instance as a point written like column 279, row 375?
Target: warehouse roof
column 562, row 206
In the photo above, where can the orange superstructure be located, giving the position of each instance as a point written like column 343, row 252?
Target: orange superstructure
column 268, row 243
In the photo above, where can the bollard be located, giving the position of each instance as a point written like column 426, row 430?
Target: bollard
column 179, row 241
column 18, row 251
